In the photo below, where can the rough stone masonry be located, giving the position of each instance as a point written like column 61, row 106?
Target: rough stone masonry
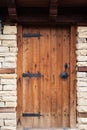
column 8, row 83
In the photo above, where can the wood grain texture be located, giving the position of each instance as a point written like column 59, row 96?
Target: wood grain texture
column 73, row 77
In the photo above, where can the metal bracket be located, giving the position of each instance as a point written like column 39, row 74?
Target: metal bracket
column 31, row 35
column 32, row 114
column 30, row 75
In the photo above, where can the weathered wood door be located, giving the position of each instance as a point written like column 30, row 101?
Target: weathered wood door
column 44, row 93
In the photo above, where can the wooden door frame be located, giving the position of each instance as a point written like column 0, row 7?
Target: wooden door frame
column 72, row 75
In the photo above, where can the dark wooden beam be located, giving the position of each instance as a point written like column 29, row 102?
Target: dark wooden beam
column 12, row 12
column 82, row 114
column 7, row 71
column 53, row 10
column 82, row 69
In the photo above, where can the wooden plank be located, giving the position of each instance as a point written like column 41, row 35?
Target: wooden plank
column 82, row 68
column 7, row 71
column 53, row 76
column 65, row 83
column 73, row 77
column 82, row 114
column 19, row 73
column 7, row 110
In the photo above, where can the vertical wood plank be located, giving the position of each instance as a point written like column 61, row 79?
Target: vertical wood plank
column 73, row 77
column 65, row 83
column 19, row 74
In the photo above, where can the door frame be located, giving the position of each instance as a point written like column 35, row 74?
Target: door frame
column 72, row 75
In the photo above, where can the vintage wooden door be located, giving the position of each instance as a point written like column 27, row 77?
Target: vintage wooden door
column 44, row 97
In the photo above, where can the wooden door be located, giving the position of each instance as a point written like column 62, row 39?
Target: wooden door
column 44, row 93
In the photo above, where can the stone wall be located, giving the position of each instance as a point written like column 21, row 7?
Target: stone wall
column 8, row 93
column 81, row 52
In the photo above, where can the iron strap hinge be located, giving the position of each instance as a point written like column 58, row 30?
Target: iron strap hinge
column 30, row 75
column 31, row 35
column 32, row 114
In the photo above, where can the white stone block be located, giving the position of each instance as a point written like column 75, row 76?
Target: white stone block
column 8, row 37
column 82, row 108
column 9, row 43
column 4, row 49
column 13, row 49
column 0, row 42
column 82, row 127
column 8, row 128
column 81, row 52
column 82, row 46
column 81, row 63
column 81, row 40
column 9, row 65
column 82, row 102
column 82, row 120
column 10, row 59
column 82, row 95
column 0, row 87
column 1, row 123
column 1, row 59
column 82, row 29
column 10, row 122
column 2, row 104
column 81, row 74
column 9, row 87
column 8, row 76
column 84, row 79
column 8, row 81
column 82, row 89
column 82, row 34
column 10, row 104
column 0, row 65
column 9, row 98
column 82, row 58
column 81, row 84
column 7, row 93
column 10, row 30
column 8, row 116
column 8, row 54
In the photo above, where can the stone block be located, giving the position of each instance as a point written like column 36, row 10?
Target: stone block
column 82, row 95
column 9, row 98
column 82, row 102
column 81, row 40
column 82, row 108
column 8, row 76
column 8, row 81
column 8, row 54
column 0, row 42
column 82, row 120
column 0, row 65
column 8, row 128
column 82, row 127
column 9, row 87
column 10, row 59
column 81, row 74
column 82, row 58
column 81, row 52
column 81, row 46
column 13, row 49
column 7, row 93
column 82, row 89
column 10, row 30
column 8, row 37
column 2, row 104
column 4, row 49
column 9, row 43
column 10, row 122
column 81, row 63
column 82, row 34
column 9, row 65
column 2, row 59
column 82, row 29
column 1, row 123
column 0, row 87
column 10, row 104
column 82, row 83
column 8, row 116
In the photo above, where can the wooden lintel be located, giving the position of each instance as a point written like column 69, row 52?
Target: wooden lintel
column 53, row 9
column 82, row 114
column 7, row 71
column 12, row 12
column 82, row 69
